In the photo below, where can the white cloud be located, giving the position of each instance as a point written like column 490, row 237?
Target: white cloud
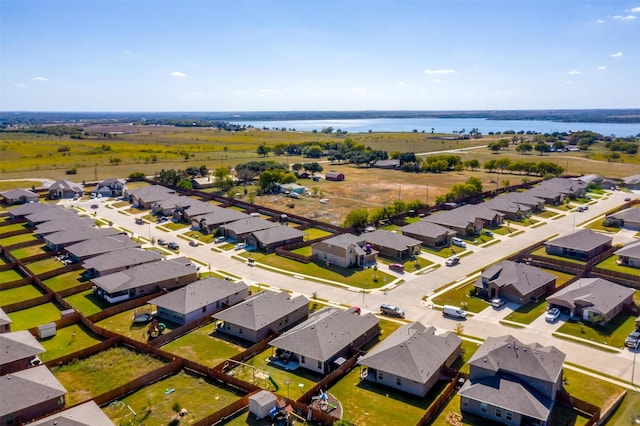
column 126, row 52
column 40, row 79
column 600, row 21
column 624, row 18
column 440, row 71
column 19, row 85
column 178, row 74
column 602, row 68
column 616, row 55
column 635, row 10
column 574, row 72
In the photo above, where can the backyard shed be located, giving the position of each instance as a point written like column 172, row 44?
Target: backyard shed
column 262, row 403
column 46, row 330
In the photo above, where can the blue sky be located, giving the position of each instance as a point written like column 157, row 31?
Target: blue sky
column 263, row 55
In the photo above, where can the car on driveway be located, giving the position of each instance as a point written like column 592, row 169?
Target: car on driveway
column 219, row 240
column 552, row 315
column 240, row 246
column 398, row 267
column 458, row 242
column 194, row 243
column 498, row 302
column 452, row 261
column 633, row 340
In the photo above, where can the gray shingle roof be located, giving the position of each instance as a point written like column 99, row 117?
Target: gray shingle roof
column 345, row 240
column 524, row 278
column 4, row 318
column 76, row 235
column 30, row 208
column 262, row 309
column 87, row 414
column 413, row 352
column 248, row 225
column 456, row 218
column 427, row 229
column 563, row 185
column 631, row 214
column 597, row 293
column 631, row 180
column 220, row 215
column 583, row 240
column 277, row 234
column 198, row 294
column 391, row 240
column 145, row 274
column 121, row 258
column 18, row 345
column 151, row 193
column 51, row 214
column 325, row 333
column 507, row 354
column 17, row 193
column 631, row 250
column 27, row 388
column 502, row 204
column 524, row 198
column 99, row 245
column 72, row 222
column 66, row 185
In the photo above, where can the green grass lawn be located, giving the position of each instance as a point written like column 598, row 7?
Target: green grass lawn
column 67, row 280
column 201, row 345
column 301, row 379
column 45, row 265
column 593, row 390
column 18, row 294
column 459, row 297
column 349, row 276
column 9, row 276
column 442, row 252
column 304, row 251
column 541, row 252
column 628, row 411
column 598, row 225
column 87, row 303
column 29, row 251
column 547, row 214
column 12, row 227
column 613, row 333
column 200, row 236
column 121, row 204
column 88, row 377
column 175, row 226
column 313, row 233
column 610, row 264
column 526, row 314
column 33, row 317
column 122, row 323
column 154, row 406
column 66, row 341
column 9, row 241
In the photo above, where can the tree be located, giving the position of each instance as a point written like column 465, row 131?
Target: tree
column 222, row 180
column 185, row 184
column 356, row 218
column 523, row 148
column 472, row 164
column 313, row 167
column 542, row 147
column 263, row 150
column 297, row 167
column 495, row 147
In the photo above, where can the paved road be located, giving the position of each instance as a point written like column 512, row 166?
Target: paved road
column 410, row 293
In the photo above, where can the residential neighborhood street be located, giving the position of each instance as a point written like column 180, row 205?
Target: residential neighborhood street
column 409, row 289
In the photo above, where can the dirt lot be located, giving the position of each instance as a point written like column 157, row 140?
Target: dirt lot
column 368, row 188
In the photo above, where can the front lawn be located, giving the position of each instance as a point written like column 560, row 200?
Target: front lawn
column 45, row 265
column 593, row 390
column 35, row 316
column 92, row 376
column 459, row 296
column 202, row 346
column 612, row 333
column 160, row 402
column 175, row 226
column 19, row 294
column 87, row 302
column 628, row 411
column 68, row 340
column 200, row 236
column 526, row 314
column 67, row 280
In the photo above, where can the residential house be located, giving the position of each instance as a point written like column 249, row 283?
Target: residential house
column 463, row 222
column 118, row 260
column 100, row 245
column 286, row 188
column 393, row 245
column 19, row 196
column 61, row 239
column 431, row 234
column 326, row 338
column 345, row 250
column 5, row 322
column 490, row 218
column 583, row 244
column 199, row 299
column 509, row 209
column 86, row 414
column 144, row 279
column 29, row 394
column 571, row 188
column 513, row 383
column 63, row 224
column 146, row 196
column 629, row 255
column 533, row 203
column 112, row 187
column 516, row 282
column 262, row 314
column 65, row 189
column 550, row 196
column 191, row 211
column 592, row 299
column 277, row 236
column 598, row 181
column 631, row 182
column 202, row 182
column 334, row 176
column 386, row 164
column 167, row 206
column 240, row 229
column 208, row 223
column 627, row 218
column 30, row 208
column 47, row 215
column 412, row 358
column 19, row 349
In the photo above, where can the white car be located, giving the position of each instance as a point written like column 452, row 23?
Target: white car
column 552, row 315
column 498, row 302
column 240, row 246
column 452, row 261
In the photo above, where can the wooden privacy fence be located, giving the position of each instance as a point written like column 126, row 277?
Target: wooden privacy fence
column 26, row 304
column 62, row 270
column 224, row 413
column 440, row 402
column 16, row 283
column 8, row 265
column 122, row 306
column 180, row 331
column 591, row 410
column 14, row 232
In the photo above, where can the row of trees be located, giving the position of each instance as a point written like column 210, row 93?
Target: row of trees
column 542, row 168
column 359, row 218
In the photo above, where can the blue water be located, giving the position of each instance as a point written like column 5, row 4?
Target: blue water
column 448, row 125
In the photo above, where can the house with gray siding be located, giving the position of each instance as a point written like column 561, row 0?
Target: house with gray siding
column 271, row 238
column 345, row 250
column 327, row 335
column 583, row 244
column 412, row 358
column 262, row 314
column 240, row 229
column 86, row 414
column 535, row 204
column 209, row 222
column 19, row 348
column 431, row 234
column 112, row 187
column 592, row 299
column 511, row 382
column 393, row 245
column 463, row 222
column 632, row 182
column 19, row 196
column 146, row 196
column 627, row 218
column 119, row 260
column 199, row 299
column 570, row 188
column 629, row 255
column 65, row 189
column 509, row 209
column 516, row 282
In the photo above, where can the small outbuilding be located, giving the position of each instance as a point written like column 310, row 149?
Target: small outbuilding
column 334, row 176
column 261, row 403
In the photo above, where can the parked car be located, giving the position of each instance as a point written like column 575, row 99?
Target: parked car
column 194, row 243
column 458, row 242
column 633, row 340
column 173, row 246
column 139, row 221
column 398, row 267
column 552, row 315
column 94, row 206
column 162, row 242
column 454, row 311
column 488, row 233
column 627, row 199
column 240, row 246
column 452, row 261
column 219, row 240
column 498, row 302
column 391, row 310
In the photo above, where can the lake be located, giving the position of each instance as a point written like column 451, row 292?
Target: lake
column 448, row 125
